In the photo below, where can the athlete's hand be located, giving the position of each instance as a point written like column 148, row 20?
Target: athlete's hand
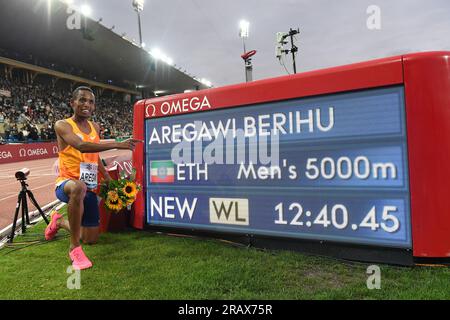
column 107, row 178
column 129, row 144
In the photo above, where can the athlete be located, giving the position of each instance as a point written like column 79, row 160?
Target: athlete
column 79, row 163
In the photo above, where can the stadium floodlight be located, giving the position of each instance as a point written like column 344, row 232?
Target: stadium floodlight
column 169, row 61
column 138, row 5
column 159, row 55
column 86, row 10
column 206, row 82
column 244, row 27
column 156, row 53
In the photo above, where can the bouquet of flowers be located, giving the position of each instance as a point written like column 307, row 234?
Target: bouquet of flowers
column 121, row 193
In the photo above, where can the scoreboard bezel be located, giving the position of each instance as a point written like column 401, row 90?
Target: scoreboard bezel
column 426, row 81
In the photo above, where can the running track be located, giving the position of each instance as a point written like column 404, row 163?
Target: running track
column 41, row 182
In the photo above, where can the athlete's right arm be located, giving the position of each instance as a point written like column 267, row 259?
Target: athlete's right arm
column 64, row 131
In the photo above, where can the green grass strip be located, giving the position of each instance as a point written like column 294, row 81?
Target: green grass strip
column 143, row 265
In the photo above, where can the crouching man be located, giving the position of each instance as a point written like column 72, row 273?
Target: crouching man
column 79, row 163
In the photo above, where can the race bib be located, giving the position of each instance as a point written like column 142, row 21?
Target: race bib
column 88, row 174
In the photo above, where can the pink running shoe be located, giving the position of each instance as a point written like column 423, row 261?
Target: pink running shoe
column 52, row 227
column 79, row 259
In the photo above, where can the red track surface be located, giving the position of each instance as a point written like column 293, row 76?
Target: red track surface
column 41, row 182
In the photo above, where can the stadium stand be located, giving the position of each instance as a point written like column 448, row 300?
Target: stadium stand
column 44, row 41
column 28, row 111
column 36, row 83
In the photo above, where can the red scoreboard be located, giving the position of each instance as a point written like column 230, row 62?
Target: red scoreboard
column 350, row 161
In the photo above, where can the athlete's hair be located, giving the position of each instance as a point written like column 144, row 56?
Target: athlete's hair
column 77, row 90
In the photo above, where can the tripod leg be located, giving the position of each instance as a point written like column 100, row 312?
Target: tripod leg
column 25, row 219
column 16, row 215
column 26, row 211
column 33, row 200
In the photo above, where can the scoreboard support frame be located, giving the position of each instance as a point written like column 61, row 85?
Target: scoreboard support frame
column 426, row 81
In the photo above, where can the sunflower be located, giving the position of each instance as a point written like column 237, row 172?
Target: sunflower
column 113, row 196
column 130, row 189
column 115, row 205
column 130, row 201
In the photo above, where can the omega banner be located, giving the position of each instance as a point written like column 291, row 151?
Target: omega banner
column 27, row 152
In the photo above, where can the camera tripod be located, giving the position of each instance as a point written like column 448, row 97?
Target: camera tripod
column 22, row 201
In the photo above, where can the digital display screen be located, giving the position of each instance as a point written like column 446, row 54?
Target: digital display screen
column 332, row 167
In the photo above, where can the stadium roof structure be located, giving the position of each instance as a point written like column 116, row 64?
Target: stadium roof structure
column 29, row 27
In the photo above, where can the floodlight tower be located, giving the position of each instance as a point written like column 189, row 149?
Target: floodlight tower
column 138, row 6
column 244, row 27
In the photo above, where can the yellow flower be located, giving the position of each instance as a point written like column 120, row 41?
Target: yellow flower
column 130, row 201
column 130, row 190
column 112, row 195
column 115, row 205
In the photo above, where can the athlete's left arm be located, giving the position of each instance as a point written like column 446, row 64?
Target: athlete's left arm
column 101, row 167
column 103, row 171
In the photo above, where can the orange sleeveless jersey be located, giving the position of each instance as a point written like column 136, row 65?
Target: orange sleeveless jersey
column 70, row 159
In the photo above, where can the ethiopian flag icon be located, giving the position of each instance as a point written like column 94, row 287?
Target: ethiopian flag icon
column 162, row 171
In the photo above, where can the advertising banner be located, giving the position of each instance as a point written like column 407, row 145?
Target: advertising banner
column 26, row 152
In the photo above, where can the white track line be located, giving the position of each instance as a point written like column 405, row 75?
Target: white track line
column 15, row 167
column 30, row 176
column 39, row 168
column 29, row 179
column 49, row 169
column 45, row 185
column 34, row 217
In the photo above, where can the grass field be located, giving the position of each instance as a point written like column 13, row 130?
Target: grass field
column 143, row 265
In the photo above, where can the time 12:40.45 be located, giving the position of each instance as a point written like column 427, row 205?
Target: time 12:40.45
column 337, row 216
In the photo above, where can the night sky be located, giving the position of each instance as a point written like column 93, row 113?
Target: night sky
column 201, row 36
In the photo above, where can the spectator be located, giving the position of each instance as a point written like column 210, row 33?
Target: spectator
column 7, row 128
column 14, row 133
column 30, row 112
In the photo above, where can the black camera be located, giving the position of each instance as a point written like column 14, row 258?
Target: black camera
column 22, row 174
